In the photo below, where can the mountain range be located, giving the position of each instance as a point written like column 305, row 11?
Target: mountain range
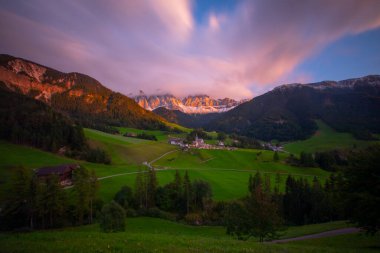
column 285, row 113
column 288, row 112
column 196, row 104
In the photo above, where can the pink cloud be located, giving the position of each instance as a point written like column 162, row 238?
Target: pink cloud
column 157, row 44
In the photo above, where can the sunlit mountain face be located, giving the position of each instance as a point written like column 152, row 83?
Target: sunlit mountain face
column 234, row 49
column 196, row 104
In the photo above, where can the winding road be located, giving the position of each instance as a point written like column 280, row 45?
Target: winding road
column 331, row 233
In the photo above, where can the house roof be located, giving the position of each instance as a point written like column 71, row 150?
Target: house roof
column 56, row 170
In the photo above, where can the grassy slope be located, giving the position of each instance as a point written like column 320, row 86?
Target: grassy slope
column 228, row 171
column 155, row 235
column 125, row 150
column 324, row 139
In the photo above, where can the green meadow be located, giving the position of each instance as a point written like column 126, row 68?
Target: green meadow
column 156, row 235
column 227, row 171
column 325, row 139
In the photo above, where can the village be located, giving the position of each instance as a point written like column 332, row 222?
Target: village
column 198, row 143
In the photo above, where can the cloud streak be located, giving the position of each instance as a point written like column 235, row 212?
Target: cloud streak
column 155, row 45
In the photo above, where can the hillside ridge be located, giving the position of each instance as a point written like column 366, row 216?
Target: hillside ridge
column 81, row 96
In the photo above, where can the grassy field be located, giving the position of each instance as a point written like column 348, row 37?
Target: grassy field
column 156, row 235
column 226, row 171
column 324, row 139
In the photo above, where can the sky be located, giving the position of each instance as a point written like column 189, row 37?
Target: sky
column 223, row 48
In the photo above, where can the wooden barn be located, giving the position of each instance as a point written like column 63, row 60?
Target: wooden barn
column 64, row 173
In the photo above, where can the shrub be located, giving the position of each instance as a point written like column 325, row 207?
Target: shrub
column 112, row 218
column 193, row 219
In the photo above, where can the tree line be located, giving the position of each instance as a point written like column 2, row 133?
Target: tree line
column 40, row 203
column 352, row 193
column 179, row 199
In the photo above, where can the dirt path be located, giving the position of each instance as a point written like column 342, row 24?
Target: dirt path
column 136, row 172
column 158, row 158
column 336, row 232
column 149, row 164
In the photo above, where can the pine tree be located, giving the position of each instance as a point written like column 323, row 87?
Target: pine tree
column 55, row 199
column 267, row 184
column 151, row 188
column 254, row 182
column 93, row 188
column 187, row 191
column 277, row 183
column 82, row 191
column 19, row 200
column 140, row 189
column 257, row 216
column 276, row 157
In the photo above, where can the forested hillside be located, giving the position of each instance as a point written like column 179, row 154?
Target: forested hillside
column 81, row 96
column 184, row 119
column 288, row 112
column 27, row 121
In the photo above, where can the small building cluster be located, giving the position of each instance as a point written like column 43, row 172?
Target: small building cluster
column 128, row 134
column 198, row 143
column 63, row 172
column 276, row 148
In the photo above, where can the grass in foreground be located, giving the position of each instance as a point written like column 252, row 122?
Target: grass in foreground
column 155, row 235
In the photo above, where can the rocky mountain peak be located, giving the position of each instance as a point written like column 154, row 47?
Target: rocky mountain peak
column 192, row 104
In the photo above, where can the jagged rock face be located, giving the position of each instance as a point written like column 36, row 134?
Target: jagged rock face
column 42, row 83
column 199, row 104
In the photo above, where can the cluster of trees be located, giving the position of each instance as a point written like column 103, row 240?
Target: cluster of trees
column 353, row 194
column 245, row 142
column 256, row 215
column 307, row 203
column 197, row 132
column 142, row 135
column 112, row 218
column 96, row 155
column 221, row 136
column 179, row 199
column 40, row 203
column 327, row 160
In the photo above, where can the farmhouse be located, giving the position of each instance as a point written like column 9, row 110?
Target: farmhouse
column 128, row 134
column 64, row 173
